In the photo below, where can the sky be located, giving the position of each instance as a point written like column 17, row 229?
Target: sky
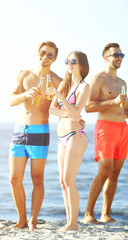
column 85, row 25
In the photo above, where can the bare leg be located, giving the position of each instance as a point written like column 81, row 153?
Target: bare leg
column 105, row 167
column 17, row 168
column 37, row 174
column 73, row 156
column 61, row 155
column 109, row 191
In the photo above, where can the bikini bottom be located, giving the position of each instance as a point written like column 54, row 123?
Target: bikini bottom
column 64, row 139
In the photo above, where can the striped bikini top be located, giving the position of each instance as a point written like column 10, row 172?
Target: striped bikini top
column 71, row 98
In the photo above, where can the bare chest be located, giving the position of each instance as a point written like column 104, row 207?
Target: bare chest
column 33, row 81
column 110, row 89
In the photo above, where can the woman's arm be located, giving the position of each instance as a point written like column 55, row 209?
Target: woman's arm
column 74, row 111
column 61, row 113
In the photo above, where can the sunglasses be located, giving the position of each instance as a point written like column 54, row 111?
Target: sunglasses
column 117, row 55
column 49, row 55
column 73, row 61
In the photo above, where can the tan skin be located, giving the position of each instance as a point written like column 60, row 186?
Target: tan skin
column 24, row 92
column 105, row 98
column 70, row 156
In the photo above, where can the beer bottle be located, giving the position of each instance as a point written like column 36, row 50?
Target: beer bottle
column 49, row 84
column 37, row 99
column 122, row 104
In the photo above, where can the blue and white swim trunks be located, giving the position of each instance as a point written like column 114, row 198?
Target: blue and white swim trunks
column 30, row 141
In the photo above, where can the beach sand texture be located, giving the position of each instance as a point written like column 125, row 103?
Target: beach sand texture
column 50, row 230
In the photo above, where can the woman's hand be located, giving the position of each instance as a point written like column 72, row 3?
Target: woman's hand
column 74, row 119
column 82, row 123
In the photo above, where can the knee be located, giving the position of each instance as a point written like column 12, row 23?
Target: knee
column 15, row 180
column 62, row 184
column 103, row 176
column 37, row 181
column 105, row 172
column 68, row 182
column 114, row 175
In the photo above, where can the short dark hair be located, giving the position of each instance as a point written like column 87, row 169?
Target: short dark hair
column 50, row 44
column 108, row 46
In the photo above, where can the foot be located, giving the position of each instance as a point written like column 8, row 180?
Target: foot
column 68, row 228
column 20, row 225
column 106, row 218
column 89, row 220
column 32, row 227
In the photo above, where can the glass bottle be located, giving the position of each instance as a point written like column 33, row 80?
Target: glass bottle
column 122, row 104
column 49, row 84
column 36, row 100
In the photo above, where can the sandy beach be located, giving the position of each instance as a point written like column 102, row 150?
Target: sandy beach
column 50, row 230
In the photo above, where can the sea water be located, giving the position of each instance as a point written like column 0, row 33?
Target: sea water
column 53, row 206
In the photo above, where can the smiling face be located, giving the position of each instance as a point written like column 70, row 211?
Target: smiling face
column 72, row 65
column 46, row 56
column 112, row 60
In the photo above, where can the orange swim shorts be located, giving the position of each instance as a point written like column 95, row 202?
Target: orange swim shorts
column 110, row 140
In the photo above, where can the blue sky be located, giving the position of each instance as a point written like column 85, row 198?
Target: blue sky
column 86, row 25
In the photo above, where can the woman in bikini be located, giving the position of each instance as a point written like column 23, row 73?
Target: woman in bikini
column 69, row 100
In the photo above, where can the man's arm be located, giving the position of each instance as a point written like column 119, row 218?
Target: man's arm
column 94, row 104
column 18, row 95
column 98, row 106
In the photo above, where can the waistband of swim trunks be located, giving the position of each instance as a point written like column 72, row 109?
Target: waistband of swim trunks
column 111, row 122
column 39, row 128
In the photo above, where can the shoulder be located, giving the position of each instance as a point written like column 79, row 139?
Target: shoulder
column 55, row 76
column 85, row 85
column 56, row 79
column 22, row 74
column 122, row 81
column 99, row 77
column 97, row 80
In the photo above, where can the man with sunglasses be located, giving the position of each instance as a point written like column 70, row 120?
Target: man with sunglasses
column 31, row 133
column 111, row 131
